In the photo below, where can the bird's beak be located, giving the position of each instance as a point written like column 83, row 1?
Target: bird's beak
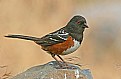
column 85, row 25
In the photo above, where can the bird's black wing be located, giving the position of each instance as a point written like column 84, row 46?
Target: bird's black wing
column 53, row 38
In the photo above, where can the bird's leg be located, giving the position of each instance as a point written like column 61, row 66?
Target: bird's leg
column 62, row 60
column 53, row 55
column 66, row 66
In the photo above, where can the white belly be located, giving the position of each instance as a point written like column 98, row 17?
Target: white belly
column 72, row 49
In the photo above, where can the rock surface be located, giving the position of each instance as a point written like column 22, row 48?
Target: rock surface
column 52, row 70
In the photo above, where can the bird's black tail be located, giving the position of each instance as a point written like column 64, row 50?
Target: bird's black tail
column 23, row 37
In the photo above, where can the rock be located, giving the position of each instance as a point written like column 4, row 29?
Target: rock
column 52, row 70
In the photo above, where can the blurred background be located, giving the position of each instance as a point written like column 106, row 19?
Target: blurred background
column 100, row 50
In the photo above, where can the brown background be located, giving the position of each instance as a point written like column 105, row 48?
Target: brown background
column 100, row 50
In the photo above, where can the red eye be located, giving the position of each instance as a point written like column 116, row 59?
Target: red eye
column 78, row 22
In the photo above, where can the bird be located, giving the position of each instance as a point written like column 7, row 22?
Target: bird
column 63, row 41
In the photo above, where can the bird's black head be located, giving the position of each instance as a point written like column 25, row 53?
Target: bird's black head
column 78, row 21
column 77, row 24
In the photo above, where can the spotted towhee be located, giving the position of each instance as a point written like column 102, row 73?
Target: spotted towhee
column 63, row 41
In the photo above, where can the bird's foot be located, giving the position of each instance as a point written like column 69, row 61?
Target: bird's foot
column 64, row 65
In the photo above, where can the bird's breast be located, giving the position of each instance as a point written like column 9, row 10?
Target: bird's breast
column 73, row 48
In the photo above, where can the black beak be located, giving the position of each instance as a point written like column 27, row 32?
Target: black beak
column 85, row 25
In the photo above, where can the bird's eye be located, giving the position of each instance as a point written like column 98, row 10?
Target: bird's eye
column 78, row 22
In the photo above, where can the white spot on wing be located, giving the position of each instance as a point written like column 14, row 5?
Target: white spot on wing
column 60, row 34
column 53, row 39
column 63, row 31
column 62, row 37
column 63, row 34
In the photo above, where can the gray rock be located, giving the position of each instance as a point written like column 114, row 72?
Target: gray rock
column 52, row 70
